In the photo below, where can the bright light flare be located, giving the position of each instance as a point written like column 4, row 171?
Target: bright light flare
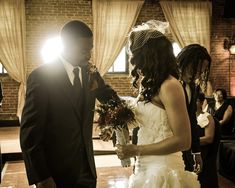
column 51, row 49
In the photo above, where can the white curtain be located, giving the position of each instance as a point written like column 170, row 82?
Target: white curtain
column 190, row 21
column 12, row 44
column 112, row 21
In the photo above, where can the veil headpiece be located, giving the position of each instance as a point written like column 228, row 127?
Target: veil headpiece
column 140, row 34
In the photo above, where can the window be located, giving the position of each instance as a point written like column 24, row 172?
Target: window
column 120, row 65
column 176, row 48
column 2, row 69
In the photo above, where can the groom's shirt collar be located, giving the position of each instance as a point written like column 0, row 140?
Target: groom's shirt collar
column 69, row 69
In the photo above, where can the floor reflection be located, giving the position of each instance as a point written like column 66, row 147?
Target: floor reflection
column 110, row 174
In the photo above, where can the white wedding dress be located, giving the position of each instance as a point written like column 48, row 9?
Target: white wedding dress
column 158, row 171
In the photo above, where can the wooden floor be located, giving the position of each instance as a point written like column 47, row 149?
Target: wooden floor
column 109, row 172
column 14, row 176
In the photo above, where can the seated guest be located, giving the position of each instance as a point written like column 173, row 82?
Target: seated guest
column 208, row 130
column 222, row 111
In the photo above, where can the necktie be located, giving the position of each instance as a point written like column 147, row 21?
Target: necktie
column 77, row 82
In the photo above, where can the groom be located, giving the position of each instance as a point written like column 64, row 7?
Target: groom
column 57, row 119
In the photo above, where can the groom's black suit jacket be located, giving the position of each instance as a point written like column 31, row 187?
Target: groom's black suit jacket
column 195, row 144
column 52, row 125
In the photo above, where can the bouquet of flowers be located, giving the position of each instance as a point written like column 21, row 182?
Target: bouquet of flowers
column 116, row 115
column 91, row 68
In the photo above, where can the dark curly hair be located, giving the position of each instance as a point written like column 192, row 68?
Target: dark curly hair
column 191, row 58
column 155, row 60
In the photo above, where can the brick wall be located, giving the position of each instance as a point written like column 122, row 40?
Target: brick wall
column 10, row 98
column 44, row 18
column 221, row 27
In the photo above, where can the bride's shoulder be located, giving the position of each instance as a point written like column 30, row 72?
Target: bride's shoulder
column 171, row 92
column 171, row 84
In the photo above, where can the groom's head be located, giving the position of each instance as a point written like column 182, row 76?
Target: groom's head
column 77, row 40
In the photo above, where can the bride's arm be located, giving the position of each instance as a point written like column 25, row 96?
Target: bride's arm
column 172, row 97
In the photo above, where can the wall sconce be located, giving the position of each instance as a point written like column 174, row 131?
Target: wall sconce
column 232, row 49
column 229, row 44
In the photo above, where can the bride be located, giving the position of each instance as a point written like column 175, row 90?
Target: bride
column 161, row 114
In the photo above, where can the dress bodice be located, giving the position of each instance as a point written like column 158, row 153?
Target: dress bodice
column 153, row 128
column 153, row 123
column 155, row 171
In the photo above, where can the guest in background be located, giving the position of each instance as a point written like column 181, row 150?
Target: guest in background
column 222, row 111
column 194, row 66
column 208, row 130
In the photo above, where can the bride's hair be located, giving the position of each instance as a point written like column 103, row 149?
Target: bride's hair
column 155, row 61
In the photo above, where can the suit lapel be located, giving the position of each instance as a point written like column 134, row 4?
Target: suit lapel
column 62, row 80
column 85, row 82
column 88, row 96
column 84, row 79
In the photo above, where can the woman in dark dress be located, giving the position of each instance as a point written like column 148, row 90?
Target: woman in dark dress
column 208, row 129
column 222, row 111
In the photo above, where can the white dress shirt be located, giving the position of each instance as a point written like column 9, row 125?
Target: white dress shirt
column 69, row 69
